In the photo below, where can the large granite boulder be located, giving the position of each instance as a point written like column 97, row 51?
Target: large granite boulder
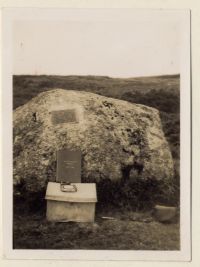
column 118, row 140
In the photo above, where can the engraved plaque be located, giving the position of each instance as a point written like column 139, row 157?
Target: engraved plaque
column 68, row 166
column 63, row 116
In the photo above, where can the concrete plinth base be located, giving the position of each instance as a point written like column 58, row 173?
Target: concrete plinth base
column 78, row 206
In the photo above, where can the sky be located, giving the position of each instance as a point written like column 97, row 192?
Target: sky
column 141, row 46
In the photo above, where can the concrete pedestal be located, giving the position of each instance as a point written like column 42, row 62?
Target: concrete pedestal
column 71, row 206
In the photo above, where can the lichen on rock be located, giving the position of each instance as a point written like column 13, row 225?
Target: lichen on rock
column 118, row 139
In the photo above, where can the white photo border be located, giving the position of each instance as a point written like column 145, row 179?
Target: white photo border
column 13, row 14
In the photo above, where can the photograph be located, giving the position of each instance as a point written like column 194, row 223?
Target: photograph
column 98, row 98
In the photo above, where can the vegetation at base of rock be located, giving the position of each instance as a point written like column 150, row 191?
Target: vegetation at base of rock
column 159, row 92
column 137, row 194
column 130, row 195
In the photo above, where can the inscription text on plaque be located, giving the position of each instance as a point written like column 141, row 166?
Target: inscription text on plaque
column 68, row 166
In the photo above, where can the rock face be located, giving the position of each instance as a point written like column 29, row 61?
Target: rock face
column 118, row 140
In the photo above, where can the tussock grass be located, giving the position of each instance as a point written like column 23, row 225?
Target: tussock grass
column 127, row 231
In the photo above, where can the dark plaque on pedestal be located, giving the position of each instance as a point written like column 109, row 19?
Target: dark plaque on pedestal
column 64, row 116
column 68, row 166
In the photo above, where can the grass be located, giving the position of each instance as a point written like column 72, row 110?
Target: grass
column 127, row 231
column 144, row 89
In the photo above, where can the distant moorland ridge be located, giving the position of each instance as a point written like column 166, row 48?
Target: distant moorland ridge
column 145, row 90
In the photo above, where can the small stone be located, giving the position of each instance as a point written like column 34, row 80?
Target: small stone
column 164, row 213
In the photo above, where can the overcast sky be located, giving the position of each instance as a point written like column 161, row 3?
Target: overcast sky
column 140, row 46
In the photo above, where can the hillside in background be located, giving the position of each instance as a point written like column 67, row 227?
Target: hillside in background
column 151, row 91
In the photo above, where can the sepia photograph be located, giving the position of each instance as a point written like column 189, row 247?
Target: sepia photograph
column 97, row 99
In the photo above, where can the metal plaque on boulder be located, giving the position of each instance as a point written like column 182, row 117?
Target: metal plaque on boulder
column 63, row 116
column 68, row 166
